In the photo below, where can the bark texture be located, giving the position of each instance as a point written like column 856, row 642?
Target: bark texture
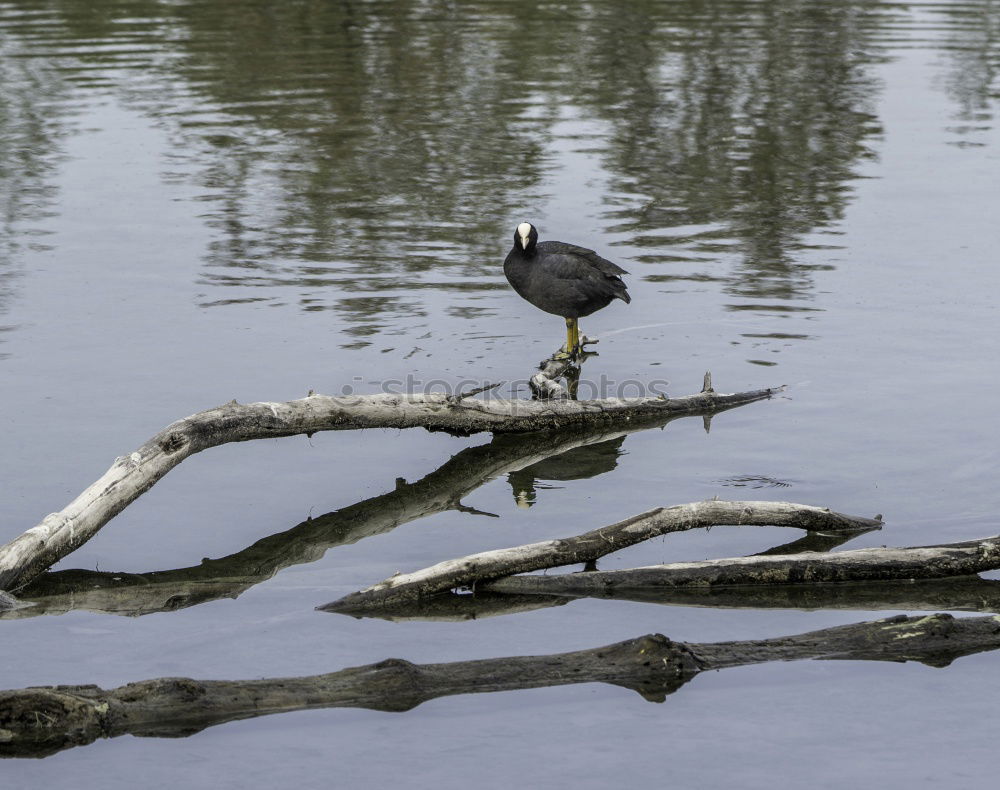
column 35, row 722
column 856, row 565
column 442, row 490
column 131, row 475
column 957, row 594
column 545, row 383
column 590, row 546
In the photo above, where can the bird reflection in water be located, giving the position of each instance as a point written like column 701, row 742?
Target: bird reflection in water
column 579, row 463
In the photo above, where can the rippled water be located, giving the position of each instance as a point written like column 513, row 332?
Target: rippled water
column 201, row 201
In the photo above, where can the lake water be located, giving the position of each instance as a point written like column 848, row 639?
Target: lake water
column 202, row 201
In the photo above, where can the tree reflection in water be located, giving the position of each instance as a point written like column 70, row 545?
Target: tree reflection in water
column 358, row 150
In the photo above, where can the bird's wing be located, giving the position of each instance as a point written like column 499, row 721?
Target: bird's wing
column 571, row 250
column 580, row 276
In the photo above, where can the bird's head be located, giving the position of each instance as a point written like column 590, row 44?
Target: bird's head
column 525, row 237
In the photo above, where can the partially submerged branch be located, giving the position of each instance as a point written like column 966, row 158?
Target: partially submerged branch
column 442, row 490
column 592, row 545
column 856, row 565
column 131, row 475
column 954, row 594
column 38, row 721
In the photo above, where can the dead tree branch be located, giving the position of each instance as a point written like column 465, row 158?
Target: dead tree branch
column 953, row 594
column 444, row 489
column 131, row 475
column 855, row 565
column 545, row 383
column 38, row 721
column 476, row 568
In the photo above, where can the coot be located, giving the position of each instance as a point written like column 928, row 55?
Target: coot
column 562, row 279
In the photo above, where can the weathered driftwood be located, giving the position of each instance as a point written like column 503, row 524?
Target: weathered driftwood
column 591, row 546
column 43, row 720
column 956, row 594
column 459, row 606
column 442, row 490
column 856, row 565
column 962, row 594
column 131, row 475
column 545, row 383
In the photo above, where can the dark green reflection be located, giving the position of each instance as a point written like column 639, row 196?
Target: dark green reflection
column 361, row 152
column 33, row 115
column 973, row 47
column 737, row 128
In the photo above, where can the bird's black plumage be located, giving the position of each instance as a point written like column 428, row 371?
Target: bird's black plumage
column 561, row 278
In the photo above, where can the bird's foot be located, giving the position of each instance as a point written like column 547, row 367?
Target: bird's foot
column 577, row 354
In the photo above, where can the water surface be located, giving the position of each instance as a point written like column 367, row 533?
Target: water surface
column 206, row 201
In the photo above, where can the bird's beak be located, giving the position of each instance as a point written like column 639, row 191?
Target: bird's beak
column 524, row 240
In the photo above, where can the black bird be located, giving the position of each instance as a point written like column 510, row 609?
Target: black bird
column 562, row 279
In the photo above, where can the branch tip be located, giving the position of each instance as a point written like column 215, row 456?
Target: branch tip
column 463, row 395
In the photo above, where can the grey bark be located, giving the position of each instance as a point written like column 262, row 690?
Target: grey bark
column 545, row 383
column 442, row 490
column 590, row 546
column 955, row 594
column 39, row 721
column 856, row 565
column 131, row 475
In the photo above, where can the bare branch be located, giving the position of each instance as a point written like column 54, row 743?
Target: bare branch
column 43, row 720
column 476, row 391
column 592, row 545
column 856, row 565
column 158, row 590
column 131, row 475
column 953, row 594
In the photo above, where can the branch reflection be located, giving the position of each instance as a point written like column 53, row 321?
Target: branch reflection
column 444, row 489
column 37, row 722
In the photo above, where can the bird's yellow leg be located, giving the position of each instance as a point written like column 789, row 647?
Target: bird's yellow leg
column 570, row 348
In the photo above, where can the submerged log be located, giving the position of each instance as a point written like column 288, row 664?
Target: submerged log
column 38, row 721
column 131, row 475
column 855, row 565
column 954, row 594
column 457, row 606
column 590, row 546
